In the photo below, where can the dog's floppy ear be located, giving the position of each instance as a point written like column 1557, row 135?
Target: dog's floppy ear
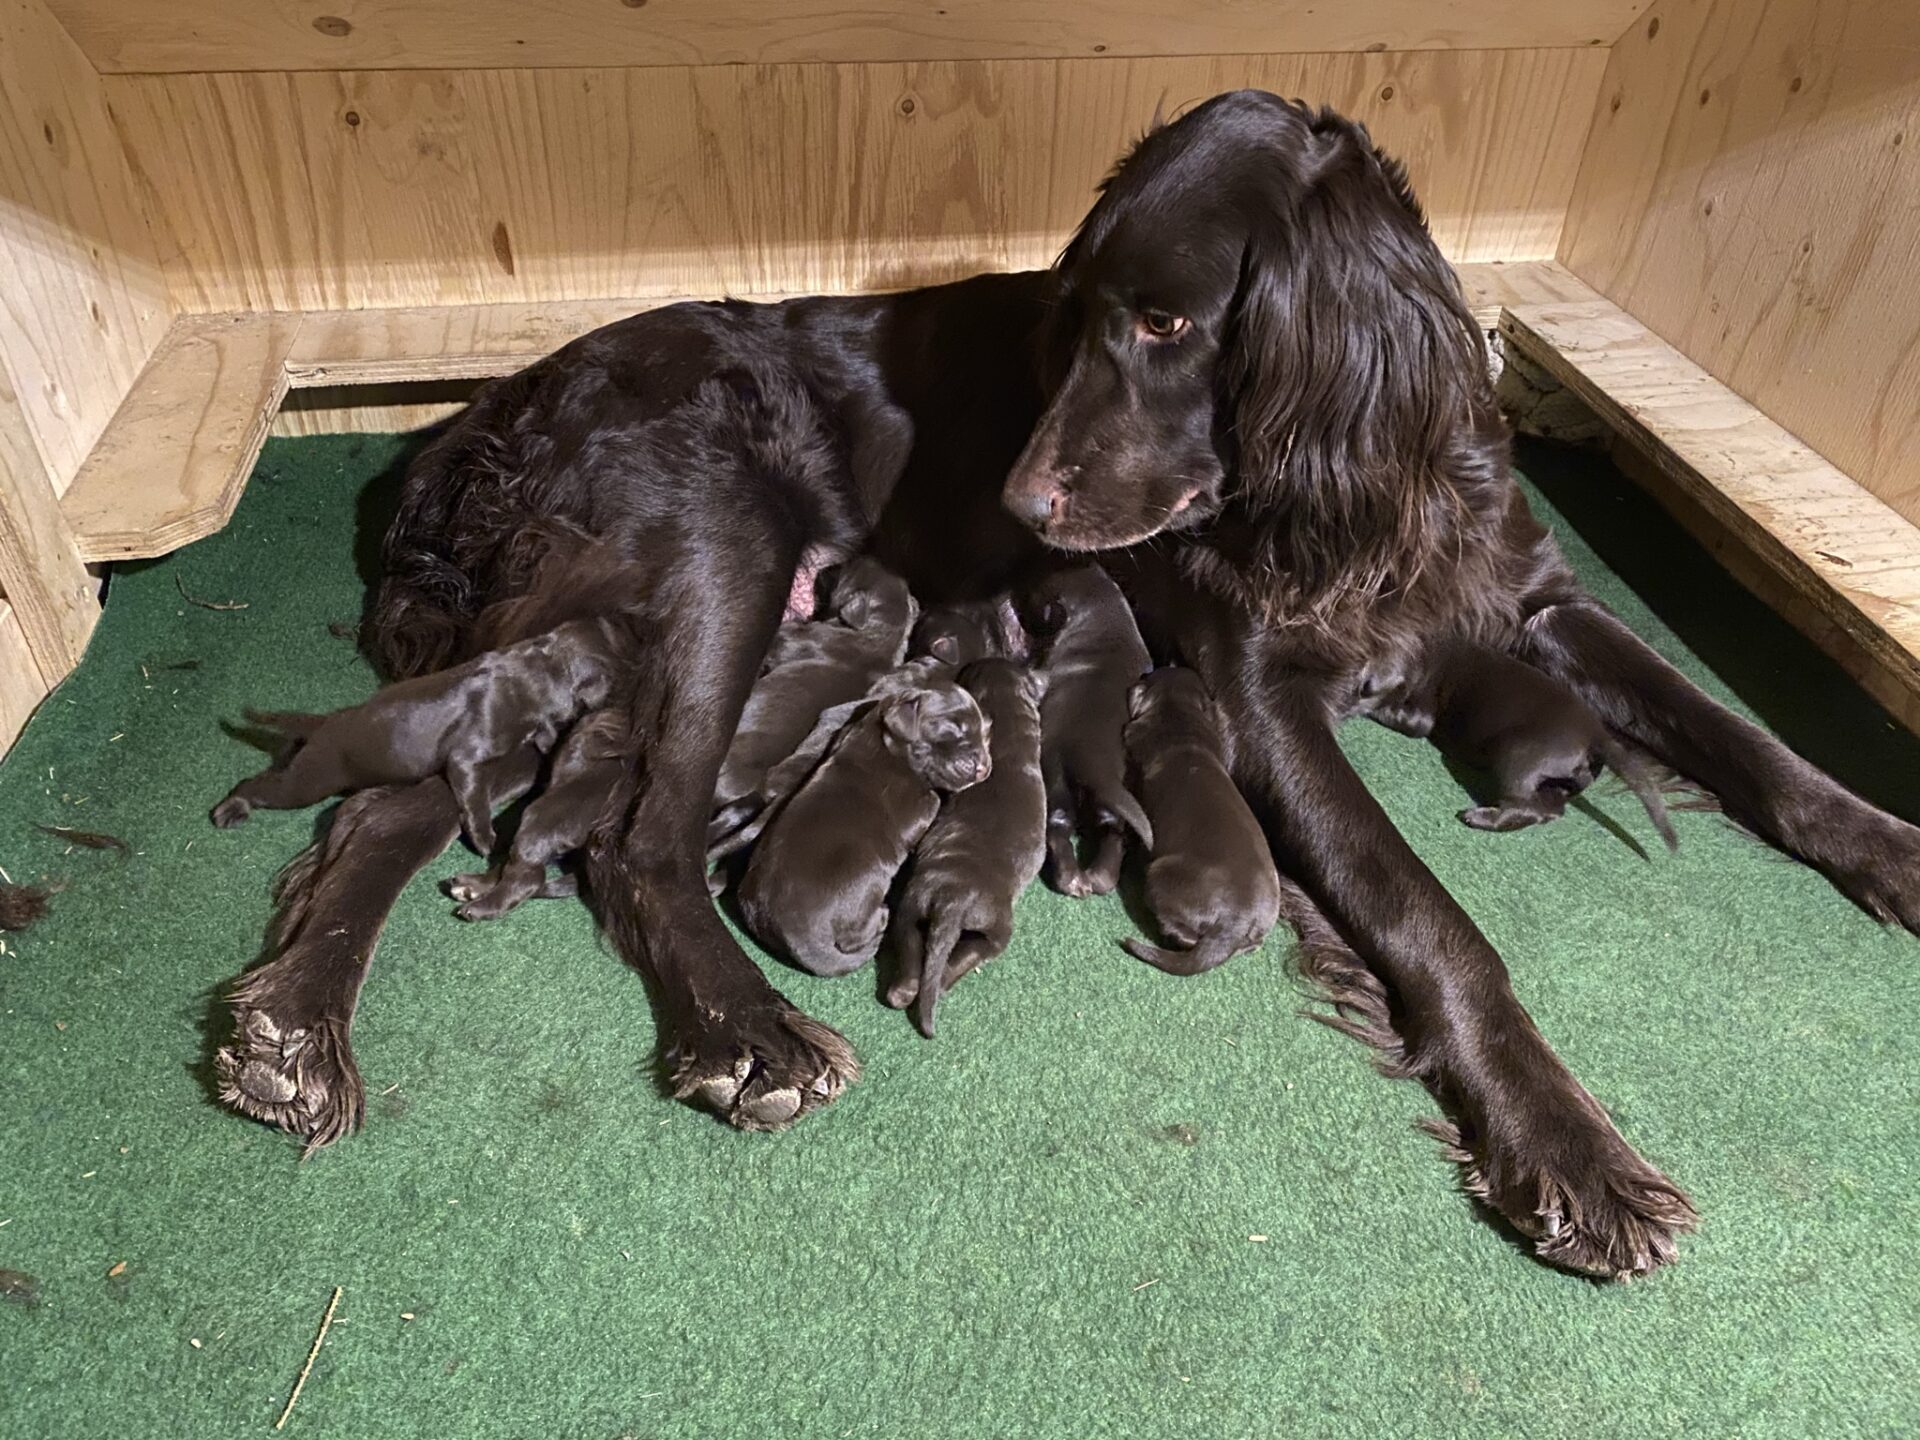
column 853, row 606
column 1358, row 377
column 905, row 714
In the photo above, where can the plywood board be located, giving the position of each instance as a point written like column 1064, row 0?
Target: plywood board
column 396, row 188
column 21, row 688
column 82, row 297
column 211, row 35
column 1751, row 192
column 49, row 591
column 1853, row 559
column 172, row 465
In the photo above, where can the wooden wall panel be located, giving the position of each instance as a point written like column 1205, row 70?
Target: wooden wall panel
column 82, row 298
column 21, row 688
column 1751, row 193
column 421, row 187
column 212, row 35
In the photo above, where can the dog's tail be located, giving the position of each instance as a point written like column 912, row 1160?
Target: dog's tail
column 1634, row 771
column 1119, row 801
column 943, row 937
column 1210, row 952
column 294, row 724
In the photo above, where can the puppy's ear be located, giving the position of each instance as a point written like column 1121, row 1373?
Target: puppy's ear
column 855, row 608
column 906, row 715
column 1136, row 700
column 946, row 648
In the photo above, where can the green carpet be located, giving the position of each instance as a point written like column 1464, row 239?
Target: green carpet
column 1105, row 1202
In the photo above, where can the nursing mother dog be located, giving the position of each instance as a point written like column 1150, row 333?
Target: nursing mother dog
column 1252, row 353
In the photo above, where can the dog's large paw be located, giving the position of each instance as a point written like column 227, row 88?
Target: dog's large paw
column 1585, row 1199
column 1879, row 870
column 299, row 1078
column 763, row 1069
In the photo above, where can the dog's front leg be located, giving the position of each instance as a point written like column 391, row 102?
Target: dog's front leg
column 1534, row 1144
column 1873, row 857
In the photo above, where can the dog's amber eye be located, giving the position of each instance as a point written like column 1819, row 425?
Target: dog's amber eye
column 1159, row 325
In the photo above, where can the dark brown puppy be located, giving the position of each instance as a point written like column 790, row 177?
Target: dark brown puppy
column 816, row 888
column 984, row 848
column 451, row 722
column 585, row 785
column 1094, row 654
column 953, row 635
column 810, row 668
column 1541, row 743
column 1211, row 882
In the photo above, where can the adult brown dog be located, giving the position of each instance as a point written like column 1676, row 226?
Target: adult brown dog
column 1257, row 330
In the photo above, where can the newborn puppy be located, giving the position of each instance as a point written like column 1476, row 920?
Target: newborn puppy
column 453, row 722
column 810, row 668
column 588, row 777
column 951, row 635
column 983, row 849
column 1542, row 743
column 816, row 888
column 1094, row 654
column 1211, row 882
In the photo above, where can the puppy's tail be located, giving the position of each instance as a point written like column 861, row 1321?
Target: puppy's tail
column 1119, row 801
column 943, row 936
column 294, row 724
column 1633, row 770
column 1211, row 952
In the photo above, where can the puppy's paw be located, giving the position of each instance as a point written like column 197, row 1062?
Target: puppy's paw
column 470, row 886
column 297, row 1078
column 1587, row 1201
column 230, row 812
column 1500, row 818
column 764, row 1068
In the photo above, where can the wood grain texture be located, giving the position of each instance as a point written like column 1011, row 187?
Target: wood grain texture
column 82, row 298
column 1751, row 192
column 21, row 688
column 394, row 188
column 51, row 595
column 172, row 465
column 1853, row 559
column 213, row 35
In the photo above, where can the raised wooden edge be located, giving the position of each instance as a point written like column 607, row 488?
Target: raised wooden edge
column 1843, row 552
column 173, row 461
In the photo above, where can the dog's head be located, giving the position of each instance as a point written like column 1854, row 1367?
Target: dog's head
column 942, row 734
column 1176, row 696
column 1254, row 313
column 953, row 637
column 866, row 593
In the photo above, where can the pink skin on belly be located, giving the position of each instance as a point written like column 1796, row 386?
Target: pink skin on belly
column 800, row 599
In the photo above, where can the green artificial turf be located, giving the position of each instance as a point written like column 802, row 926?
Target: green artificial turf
column 1105, row 1202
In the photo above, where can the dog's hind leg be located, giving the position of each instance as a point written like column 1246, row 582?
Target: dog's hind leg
column 1873, row 857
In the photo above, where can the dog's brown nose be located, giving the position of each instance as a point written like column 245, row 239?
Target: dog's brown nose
column 1035, row 505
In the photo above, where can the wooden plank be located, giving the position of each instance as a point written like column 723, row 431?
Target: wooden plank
column 21, row 688
column 397, row 188
column 1845, row 552
column 172, row 465
column 48, row 589
column 211, row 35
column 1751, row 192
column 82, row 297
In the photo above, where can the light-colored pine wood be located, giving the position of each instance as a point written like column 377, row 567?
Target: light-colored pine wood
column 1842, row 550
column 348, row 190
column 172, row 465
column 48, row 589
column 1751, row 192
column 82, row 298
column 21, row 688
column 211, row 35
